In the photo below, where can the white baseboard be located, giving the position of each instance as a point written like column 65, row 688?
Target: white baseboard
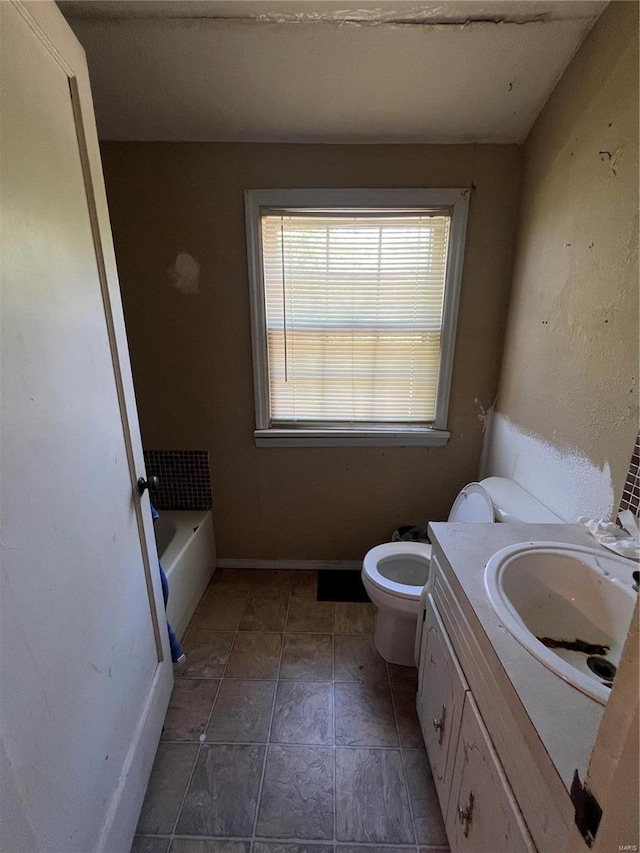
column 305, row 565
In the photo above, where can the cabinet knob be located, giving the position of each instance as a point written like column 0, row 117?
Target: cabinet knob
column 465, row 815
column 438, row 724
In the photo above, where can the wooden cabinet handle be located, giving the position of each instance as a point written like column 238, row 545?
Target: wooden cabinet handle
column 465, row 815
column 438, row 724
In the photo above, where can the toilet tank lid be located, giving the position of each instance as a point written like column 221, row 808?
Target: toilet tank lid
column 513, row 503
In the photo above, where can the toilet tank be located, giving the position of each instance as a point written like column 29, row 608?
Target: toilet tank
column 512, row 503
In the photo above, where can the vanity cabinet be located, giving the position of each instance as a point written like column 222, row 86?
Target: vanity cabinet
column 514, row 734
column 441, row 691
column 480, row 811
column 482, row 814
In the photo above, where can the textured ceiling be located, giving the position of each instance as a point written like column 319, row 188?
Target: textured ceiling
column 305, row 71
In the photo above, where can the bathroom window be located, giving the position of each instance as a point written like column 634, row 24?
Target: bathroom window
column 354, row 300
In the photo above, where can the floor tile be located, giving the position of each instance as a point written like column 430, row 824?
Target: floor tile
column 273, row 582
column 208, row 845
column 371, row 798
column 264, row 614
column 219, row 612
column 284, row 847
column 297, row 793
column 309, row 616
column 223, row 792
column 364, row 715
column 272, row 577
column 167, row 783
column 308, row 657
column 356, row 659
column 363, row 848
column 207, row 654
column 303, row 713
column 404, row 700
column 305, row 585
column 189, row 708
column 234, row 580
column 255, row 655
column 149, row 844
column 242, row 712
column 402, row 674
column 424, row 800
column 351, row 617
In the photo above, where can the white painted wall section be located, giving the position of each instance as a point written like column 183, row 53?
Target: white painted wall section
column 563, row 480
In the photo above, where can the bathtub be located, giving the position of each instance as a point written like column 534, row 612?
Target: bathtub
column 187, row 551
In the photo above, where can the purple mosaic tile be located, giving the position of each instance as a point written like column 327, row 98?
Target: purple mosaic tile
column 185, row 478
column 631, row 492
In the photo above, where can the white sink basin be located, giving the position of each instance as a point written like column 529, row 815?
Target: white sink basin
column 566, row 594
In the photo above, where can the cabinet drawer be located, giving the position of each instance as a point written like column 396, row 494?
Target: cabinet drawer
column 481, row 802
column 441, row 692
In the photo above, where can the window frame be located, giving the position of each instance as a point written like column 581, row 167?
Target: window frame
column 454, row 202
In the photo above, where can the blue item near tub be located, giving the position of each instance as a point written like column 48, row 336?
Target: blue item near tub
column 177, row 653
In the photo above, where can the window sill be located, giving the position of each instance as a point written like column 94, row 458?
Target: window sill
column 426, row 437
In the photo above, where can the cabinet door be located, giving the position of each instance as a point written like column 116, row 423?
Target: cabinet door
column 441, row 690
column 483, row 815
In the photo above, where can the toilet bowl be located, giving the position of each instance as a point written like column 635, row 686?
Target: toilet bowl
column 394, row 579
column 394, row 574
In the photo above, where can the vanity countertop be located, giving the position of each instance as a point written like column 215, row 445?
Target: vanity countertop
column 565, row 719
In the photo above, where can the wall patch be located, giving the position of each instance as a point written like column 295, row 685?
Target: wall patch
column 185, row 274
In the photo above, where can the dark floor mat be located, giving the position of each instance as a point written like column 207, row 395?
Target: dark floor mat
column 338, row 585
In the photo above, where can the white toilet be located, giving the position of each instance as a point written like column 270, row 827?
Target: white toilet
column 394, row 574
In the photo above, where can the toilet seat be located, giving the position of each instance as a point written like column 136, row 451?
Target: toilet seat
column 398, row 629
column 419, row 550
column 473, row 505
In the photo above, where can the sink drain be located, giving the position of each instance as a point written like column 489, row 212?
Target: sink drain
column 602, row 667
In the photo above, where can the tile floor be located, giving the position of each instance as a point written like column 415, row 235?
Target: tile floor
column 287, row 732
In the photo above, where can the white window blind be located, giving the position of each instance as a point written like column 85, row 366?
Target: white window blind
column 354, row 310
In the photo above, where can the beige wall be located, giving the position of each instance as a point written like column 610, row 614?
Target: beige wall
column 567, row 410
column 191, row 355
